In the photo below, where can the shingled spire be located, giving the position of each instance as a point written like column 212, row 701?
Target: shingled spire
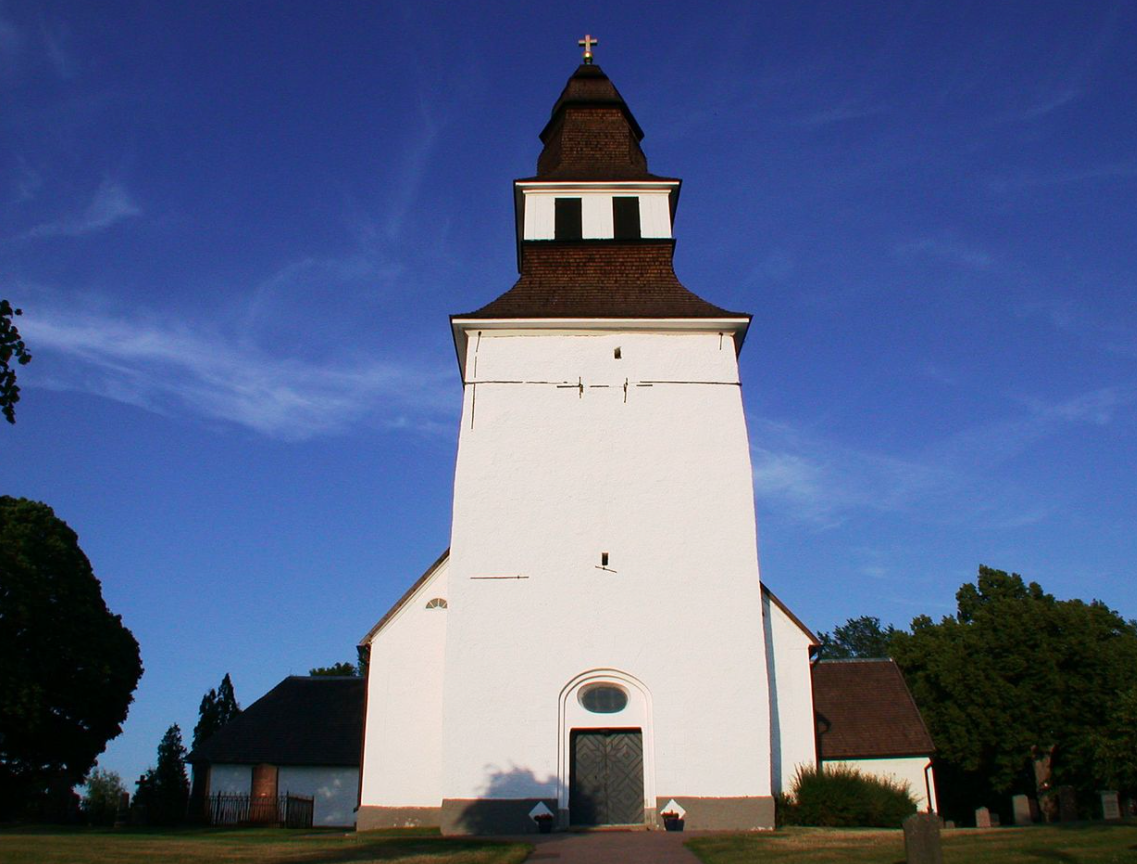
column 591, row 133
column 594, row 235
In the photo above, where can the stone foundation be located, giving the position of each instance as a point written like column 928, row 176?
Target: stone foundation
column 369, row 818
column 491, row 815
column 721, row 814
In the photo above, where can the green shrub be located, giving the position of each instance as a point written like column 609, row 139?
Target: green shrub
column 100, row 804
column 843, row 797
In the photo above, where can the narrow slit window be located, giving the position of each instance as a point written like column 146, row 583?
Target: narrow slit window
column 626, row 217
column 616, row 354
column 603, row 559
column 568, row 219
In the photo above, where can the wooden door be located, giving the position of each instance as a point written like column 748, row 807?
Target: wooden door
column 606, row 777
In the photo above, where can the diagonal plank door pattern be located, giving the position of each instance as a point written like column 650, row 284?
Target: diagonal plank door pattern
column 606, row 784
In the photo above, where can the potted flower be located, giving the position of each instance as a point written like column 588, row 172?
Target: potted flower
column 544, row 822
column 672, row 821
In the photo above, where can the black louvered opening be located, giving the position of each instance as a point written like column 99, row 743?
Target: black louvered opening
column 568, row 219
column 626, row 217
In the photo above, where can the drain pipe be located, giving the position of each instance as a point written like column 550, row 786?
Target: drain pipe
column 928, row 785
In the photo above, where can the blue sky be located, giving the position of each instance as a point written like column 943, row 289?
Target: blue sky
column 236, row 230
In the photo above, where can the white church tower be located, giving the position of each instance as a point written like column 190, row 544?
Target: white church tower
column 595, row 642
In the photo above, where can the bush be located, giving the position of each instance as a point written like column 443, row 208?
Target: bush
column 843, row 797
column 100, row 804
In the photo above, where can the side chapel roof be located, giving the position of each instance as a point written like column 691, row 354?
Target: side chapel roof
column 301, row 721
column 864, row 710
column 405, row 599
column 592, row 136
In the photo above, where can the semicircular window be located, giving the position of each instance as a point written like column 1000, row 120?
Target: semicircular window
column 604, row 698
column 436, row 603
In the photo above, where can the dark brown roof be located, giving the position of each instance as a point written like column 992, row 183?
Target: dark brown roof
column 864, row 710
column 300, row 721
column 599, row 279
column 591, row 133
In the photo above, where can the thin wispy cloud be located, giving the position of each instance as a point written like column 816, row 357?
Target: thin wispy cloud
column 849, row 109
column 11, row 41
column 1110, row 334
column 1047, row 103
column 27, row 181
column 412, row 164
column 111, row 203
column 171, row 368
column 823, row 483
column 1125, row 170
column 54, row 43
column 945, row 249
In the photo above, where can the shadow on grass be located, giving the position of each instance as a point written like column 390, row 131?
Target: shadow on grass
column 391, row 849
column 1044, row 854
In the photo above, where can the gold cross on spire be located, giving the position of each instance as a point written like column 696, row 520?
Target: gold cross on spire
column 586, row 43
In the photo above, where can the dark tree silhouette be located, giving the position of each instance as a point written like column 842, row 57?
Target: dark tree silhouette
column 68, row 666
column 11, row 347
column 217, row 708
column 163, row 792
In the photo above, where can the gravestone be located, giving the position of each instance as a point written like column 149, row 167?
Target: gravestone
column 1110, row 806
column 995, row 820
column 1022, row 810
column 982, row 818
column 950, row 823
column 1035, row 810
column 922, row 839
column 1067, row 804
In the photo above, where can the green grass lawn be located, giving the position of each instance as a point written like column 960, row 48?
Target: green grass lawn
column 246, row 846
column 1073, row 844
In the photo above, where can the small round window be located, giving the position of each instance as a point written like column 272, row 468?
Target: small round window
column 604, row 698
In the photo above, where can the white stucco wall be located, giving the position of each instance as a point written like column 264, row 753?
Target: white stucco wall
column 549, row 476
column 230, row 779
column 402, row 764
column 907, row 769
column 791, row 696
column 539, row 220
column 334, row 791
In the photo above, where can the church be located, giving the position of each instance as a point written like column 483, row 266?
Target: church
column 596, row 647
column 596, row 644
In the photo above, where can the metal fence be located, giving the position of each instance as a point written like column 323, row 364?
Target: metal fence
column 291, row 811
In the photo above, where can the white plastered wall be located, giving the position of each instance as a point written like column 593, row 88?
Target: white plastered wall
column 596, row 212
column 402, row 763
column 791, row 695
column 230, row 779
column 906, row 769
column 334, row 791
column 551, row 475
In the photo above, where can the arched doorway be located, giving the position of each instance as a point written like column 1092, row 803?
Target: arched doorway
column 605, row 772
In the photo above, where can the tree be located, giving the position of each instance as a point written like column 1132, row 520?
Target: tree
column 857, row 637
column 11, row 346
column 104, row 791
column 1115, row 744
column 217, row 708
column 68, row 666
column 341, row 669
column 1016, row 689
column 163, row 792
